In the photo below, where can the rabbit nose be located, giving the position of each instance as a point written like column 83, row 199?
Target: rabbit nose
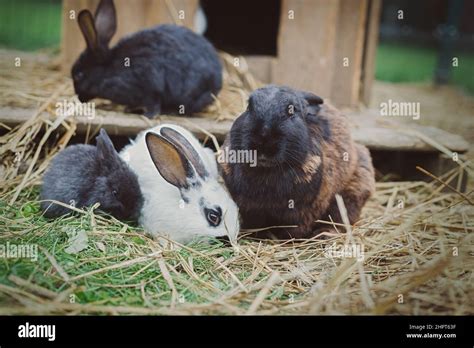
column 84, row 98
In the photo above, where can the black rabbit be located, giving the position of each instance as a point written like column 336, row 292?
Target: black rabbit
column 167, row 68
column 82, row 175
column 305, row 156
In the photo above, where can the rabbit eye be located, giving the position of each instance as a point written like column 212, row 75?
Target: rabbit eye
column 213, row 216
column 79, row 75
column 115, row 193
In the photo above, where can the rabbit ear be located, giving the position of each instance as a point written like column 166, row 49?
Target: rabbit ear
column 169, row 160
column 186, row 148
column 105, row 146
column 86, row 23
column 105, row 21
column 312, row 99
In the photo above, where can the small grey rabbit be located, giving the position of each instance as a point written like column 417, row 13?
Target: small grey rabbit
column 169, row 66
column 82, row 175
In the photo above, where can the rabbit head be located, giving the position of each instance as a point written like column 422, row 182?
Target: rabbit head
column 116, row 186
column 90, row 67
column 275, row 125
column 203, row 207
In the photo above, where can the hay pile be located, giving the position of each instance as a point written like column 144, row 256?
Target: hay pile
column 416, row 241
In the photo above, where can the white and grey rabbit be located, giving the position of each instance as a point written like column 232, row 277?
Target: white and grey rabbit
column 183, row 198
column 83, row 175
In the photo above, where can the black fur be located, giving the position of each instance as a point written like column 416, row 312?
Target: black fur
column 85, row 175
column 283, row 141
column 310, row 157
column 170, row 66
column 267, row 125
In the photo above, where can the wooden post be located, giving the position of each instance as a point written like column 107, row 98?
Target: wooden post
column 349, row 50
column 306, row 45
column 261, row 67
column 131, row 17
column 72, row 42
column 370, row 50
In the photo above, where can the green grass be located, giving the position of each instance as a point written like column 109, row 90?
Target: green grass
column 464, row 74
column 30, row 24
column 396, row 63
column 402, row 63
column 138, row 285
column 104, row 288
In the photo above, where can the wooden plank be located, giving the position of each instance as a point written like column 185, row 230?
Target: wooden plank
column 116, row 123
column 349, row 50
column 131, row 17
column 367, row 129
column 306, row 45
column 383, row 133
column 370, row 50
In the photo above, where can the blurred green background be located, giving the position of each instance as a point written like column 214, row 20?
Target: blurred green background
column 30, row 24
column 408, row 63
column 36, row 24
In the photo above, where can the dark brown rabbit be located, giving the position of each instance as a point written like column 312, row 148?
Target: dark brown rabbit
column 305, row 156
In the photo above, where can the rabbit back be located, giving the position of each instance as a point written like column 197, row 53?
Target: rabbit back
column 68, row 179
column 184, row 65
column 83, row 175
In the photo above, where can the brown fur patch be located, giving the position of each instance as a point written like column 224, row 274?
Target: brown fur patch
column 310, row 168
